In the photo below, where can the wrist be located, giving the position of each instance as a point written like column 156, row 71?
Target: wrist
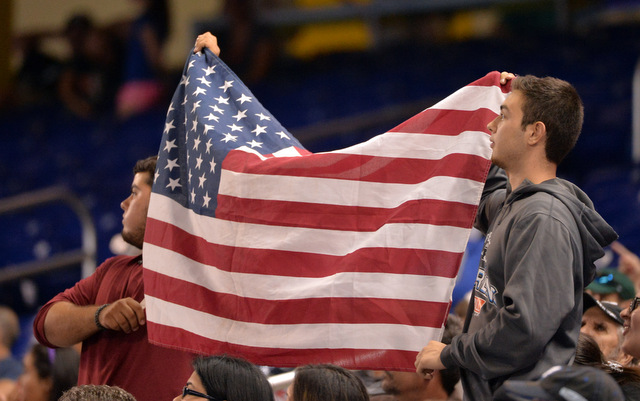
column 96, row 317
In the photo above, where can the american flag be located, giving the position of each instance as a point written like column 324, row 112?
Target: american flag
column 258, row 248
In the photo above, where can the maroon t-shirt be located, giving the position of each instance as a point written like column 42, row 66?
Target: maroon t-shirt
column 147, row 371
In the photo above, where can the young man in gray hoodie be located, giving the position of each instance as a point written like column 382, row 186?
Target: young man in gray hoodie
column 542, row 238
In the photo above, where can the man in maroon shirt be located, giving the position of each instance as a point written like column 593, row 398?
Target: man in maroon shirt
column 104, row 312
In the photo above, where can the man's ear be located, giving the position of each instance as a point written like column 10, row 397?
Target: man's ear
column 536, row 133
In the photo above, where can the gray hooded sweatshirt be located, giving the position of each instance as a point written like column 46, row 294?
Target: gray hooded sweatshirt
column 526, row 310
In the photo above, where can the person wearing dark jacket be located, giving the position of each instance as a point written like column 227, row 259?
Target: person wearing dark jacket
column 542, row 238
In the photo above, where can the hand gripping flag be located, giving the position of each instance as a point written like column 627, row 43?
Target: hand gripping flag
column 258, row 248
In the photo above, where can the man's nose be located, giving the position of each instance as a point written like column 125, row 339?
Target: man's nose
column 491, row 125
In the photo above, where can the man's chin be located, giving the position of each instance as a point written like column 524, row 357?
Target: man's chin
column 132, row 240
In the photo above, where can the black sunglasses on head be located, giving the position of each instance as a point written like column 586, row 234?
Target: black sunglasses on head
column 186, row 390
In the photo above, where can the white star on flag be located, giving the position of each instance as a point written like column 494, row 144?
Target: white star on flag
column 168, row 126
column 282, row 135
column 240, row 115
column 227, row 85
column 204, row 81
column 228, row 137
column 171, row 164
column 174, row 183
column 244, row 98
column 259, row 130
column 170, row 145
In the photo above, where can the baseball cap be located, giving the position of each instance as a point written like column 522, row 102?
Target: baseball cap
column 610, row 309
column 610, row 280
column 564, row 383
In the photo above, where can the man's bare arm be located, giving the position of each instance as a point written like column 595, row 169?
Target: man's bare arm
column 67, row 324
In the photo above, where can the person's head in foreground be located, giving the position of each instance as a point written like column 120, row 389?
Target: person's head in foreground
column 47, row 373
column 631, row 333
column 326, row 383
column 225, row 378
column 564, row 383
column 96, row 392
column 539, row 111
column 602, row 321
column 136, row 205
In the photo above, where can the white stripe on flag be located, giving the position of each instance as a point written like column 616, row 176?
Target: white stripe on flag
column 295, row 336
column 470, row 98
column 332, row 191
column 263, row 286
column 297, row 239
column 422, row 146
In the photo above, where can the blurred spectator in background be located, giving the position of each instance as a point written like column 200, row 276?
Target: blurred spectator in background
column 612, row 285
column 410, row 386
column 90, row 78
column 603, row 322
column 223, row 377
column 252, row 46
column 588, row 353
column 326, row 382
column 47, row 374
column 37, row 76
column 10, row 368
column 628, row 263
column 143, row 86
column 96, row 392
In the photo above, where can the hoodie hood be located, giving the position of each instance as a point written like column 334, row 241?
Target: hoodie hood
column 595, row 232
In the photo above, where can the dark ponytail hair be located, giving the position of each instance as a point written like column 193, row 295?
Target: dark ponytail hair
column 327, row 382
column 232, row 379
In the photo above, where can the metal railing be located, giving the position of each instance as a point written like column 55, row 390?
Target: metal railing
column 86, row 255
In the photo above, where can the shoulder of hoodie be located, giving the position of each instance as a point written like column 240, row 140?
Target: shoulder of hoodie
column 556, row 197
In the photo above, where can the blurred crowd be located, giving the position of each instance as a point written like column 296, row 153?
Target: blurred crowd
column 110, row 70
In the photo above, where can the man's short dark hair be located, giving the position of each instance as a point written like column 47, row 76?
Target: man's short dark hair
column 95, row 392
column 557, row 104
column 147, row 165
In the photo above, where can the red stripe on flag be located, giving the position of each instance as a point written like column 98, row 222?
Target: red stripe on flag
column 349, row 358
column 243, row 260
column 295, row 311
column 358, row 167
column 338, row 217
column 447, row 122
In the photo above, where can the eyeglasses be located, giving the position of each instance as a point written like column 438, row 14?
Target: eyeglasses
column 186, row 390
column 634, row 304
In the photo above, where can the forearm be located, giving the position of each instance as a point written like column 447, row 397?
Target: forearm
column 67, row 324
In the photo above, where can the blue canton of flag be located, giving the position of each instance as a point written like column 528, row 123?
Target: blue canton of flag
column 212, row 112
